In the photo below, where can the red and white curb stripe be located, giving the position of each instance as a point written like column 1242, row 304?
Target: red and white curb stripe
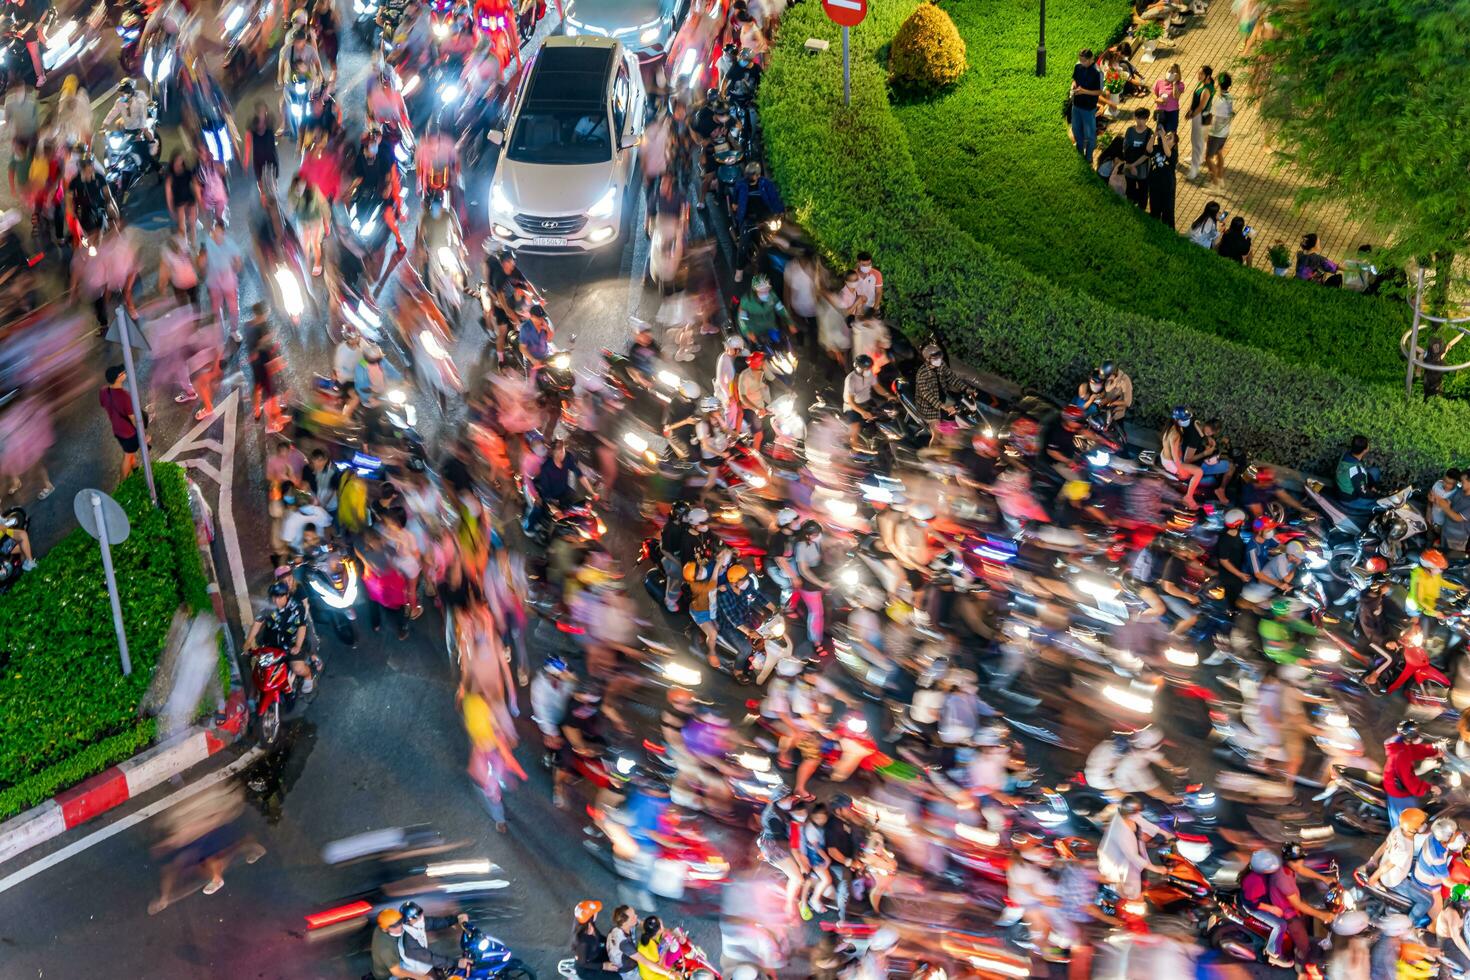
column 115, row 786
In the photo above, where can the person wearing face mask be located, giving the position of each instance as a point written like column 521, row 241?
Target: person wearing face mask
column 860, row 395
column 744, row 75
column 1432, row 867
column 934, row 383
column 1166, row 98
column 438, row 228
column 869, row 284
column 762, row 313
column 1172, row 454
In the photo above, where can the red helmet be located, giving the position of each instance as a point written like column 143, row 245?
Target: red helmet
column 1265, row 476
column 1433, row 558
column 756, row 360
column 1073, row 413
column 1376, row 565
column 1263, row 524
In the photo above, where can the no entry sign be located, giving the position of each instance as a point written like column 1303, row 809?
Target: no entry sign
column 847, row 13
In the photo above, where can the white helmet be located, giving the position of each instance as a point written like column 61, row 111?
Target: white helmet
column 1265, row 862
column 1397, row 924
column 788, row 667
column 709, row 404
column 689, row 389
column 696, row 515
column 786, row 515
column 1234, row 517
column 1296, row 549
column 921, row 512
column 1443, row 829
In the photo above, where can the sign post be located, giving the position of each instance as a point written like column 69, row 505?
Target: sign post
column 1041, row 43
column 846, row 14
column 125, row 332
column 104, row 519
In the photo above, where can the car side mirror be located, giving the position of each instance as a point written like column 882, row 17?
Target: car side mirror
column 629, row 141
column 495, row 136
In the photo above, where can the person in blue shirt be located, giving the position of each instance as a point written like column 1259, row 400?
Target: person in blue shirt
column 756, row 185
column 534, row 336
column 373, row 377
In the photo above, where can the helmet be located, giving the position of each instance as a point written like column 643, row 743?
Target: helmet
column 1130, row 805
column 1376, row 565
column 680, row 510
column 1293, row 673
column 862, row 362
column 761, row 281
column 921, row 512
column 786, row 515
column 411, row 910
column 388, row 918
column 127, row 85
column 1443, row 829
column 1292, row 851
column 1146, row 738
column 711, row 95
column 708, row 404
column 735, row 342
column 788, row 667
column 1182, row 415
column 1107, row 369
column 1234, row 517
column 697, row 515
column 1350, row 923
column 1265, row 862
column 1262, row 525
column 279, row 589
column 1296, row 549
column 745, row 971
column 587, row 911
column 1433, row 558
column 689, row 390
column 1074, row 413
column 752, row 169
column 1460, row 895
column 1076, row 490
column 299, row 18
column 1412, row 819
column 1281, row 607
column 69, row 85
column 1408, row 728
column 756, row 361
column 1263, row 476
column 989, row 736
column 736, row 573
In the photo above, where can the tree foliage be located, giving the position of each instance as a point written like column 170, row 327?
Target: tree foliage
column 1367, row 99
column 928, row 53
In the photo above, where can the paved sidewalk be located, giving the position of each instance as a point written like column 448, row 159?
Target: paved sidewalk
column 1256, row 187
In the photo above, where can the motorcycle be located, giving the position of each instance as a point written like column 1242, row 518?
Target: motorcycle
column 365, row 218
column 332, row 582
column 447, row 275
column 275, row 684
column 131, row 156
column 1238, row 932
column 298, row 106
column 11, row 559
column 1354, row 801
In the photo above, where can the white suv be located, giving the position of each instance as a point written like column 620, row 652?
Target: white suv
column 569, row 150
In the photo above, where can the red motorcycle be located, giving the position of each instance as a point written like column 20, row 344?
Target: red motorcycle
column 275, row 684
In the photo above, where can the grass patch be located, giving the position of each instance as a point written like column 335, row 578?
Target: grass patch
column 998, row 160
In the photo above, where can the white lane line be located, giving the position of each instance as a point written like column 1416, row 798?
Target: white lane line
column 203, row 467
column 131, row 820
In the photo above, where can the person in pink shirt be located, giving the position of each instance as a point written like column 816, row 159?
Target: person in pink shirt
column 1166, row 98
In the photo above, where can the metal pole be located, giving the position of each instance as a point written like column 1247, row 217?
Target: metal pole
column 117, row 620
column 1413, row 351
column 127, row 351
column 1041, row 43
column 846, row 76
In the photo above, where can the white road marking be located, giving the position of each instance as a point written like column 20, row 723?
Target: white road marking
column 229, row 409
column 128, row 822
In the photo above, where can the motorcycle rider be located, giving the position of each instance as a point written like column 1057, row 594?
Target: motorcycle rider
column 1394, row 860
column 740, row 610
column 762, row 314
column 1123, row 764
column 1432, row 867
column 1281, row 628
column 438, row 228
column 413, row 947
column 1284, row 894
column 858, row 401
column 1356, row 481
column 130, row 114
column 283, row 624
column 1402, row 786
column 1255, row 894
column 934, row 383
column 510, row 295
column 1426, row 583
column 1122, row 857
column 298, row 53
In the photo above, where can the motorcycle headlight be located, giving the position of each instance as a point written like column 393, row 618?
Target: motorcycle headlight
column 634, row 441
column 441, row 30
column 165, row 65
column 605, row 205
column 116, row 141
column 450, row 93
column 561, row 361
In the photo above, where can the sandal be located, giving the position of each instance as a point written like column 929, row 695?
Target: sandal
column 46, row 491
column 213, row 886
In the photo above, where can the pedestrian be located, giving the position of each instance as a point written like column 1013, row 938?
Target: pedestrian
column 182, row 191
column 490, row 757
column 1431, row 358
column 205, row 364
column 265, row 368
column 1163, row 171
column 1235, row 244
column 1223, row 113
column 313, row 219
column 1166, row 99
column 118, row 404
column 222, row 263
column 1200, row 117
column 1137, row 139
column 260, row 148
column 1086, row 88
column 383, row 582
column 25, row 436
column 177, row 270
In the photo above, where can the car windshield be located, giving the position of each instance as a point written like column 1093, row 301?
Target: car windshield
column 552, row 135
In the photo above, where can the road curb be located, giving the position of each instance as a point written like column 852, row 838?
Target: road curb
column 116, row 785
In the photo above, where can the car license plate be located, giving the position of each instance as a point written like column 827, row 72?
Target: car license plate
column 548, row 241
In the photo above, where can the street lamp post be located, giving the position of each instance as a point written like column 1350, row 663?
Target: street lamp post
column 1041, row 43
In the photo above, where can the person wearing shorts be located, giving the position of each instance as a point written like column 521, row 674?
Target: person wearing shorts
column 118, row 404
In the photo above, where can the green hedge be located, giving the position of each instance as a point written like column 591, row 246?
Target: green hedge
column 850, row 176
column 998, row 160
column 66, row 711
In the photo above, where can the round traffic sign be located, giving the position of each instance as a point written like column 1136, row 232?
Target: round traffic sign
column 847, row 13
column 97, row 511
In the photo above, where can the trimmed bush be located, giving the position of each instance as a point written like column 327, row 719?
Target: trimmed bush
column 849, row 176
column 928, row 53
column 66, row 711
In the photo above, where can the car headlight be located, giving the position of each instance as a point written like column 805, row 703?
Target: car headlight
column 605, row 205
column 499, row 202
